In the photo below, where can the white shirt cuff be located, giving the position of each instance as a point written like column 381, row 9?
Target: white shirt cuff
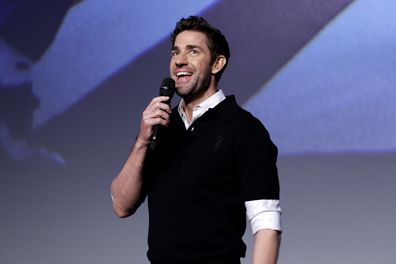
column 264, row 214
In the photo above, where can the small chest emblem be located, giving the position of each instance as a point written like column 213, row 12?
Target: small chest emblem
column 218, row 142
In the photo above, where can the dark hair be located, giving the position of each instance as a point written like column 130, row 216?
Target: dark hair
column 217, row 42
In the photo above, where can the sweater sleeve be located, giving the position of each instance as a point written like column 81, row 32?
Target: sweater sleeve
column 256, row 163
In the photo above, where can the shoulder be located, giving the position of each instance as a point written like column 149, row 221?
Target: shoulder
column 229, row 109
column 241, row 120
column 245, row 128
column 246, row 122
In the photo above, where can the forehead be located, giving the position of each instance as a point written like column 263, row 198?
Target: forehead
column 191, row 38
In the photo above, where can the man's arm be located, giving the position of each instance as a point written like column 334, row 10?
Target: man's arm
column 266, row 246
column 126, row 187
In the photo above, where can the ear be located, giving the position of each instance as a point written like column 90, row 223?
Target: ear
column 219, row 64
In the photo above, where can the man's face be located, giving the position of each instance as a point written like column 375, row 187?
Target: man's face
column 190, row 64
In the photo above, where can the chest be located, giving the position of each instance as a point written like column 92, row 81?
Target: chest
column 200, row 158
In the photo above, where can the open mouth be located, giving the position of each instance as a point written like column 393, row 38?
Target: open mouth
column 183, row 75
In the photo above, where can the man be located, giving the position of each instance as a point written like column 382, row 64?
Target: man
column 213, row 162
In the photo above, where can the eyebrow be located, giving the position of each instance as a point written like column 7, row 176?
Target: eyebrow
column 193, row 47
column 189, row 47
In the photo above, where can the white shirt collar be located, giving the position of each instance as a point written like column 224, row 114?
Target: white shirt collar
column 200, row 109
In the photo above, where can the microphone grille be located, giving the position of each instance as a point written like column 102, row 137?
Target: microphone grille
column 167, row 87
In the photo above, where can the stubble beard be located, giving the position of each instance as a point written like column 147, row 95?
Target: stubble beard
column 197, row 89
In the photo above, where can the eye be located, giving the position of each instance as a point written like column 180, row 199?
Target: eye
column 194, row 52
column 175, row 53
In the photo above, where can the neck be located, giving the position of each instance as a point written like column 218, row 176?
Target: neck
column 190, row 103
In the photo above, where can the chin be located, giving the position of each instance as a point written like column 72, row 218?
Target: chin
column 182, row 91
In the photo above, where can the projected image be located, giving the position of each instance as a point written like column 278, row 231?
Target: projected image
column 78, row 64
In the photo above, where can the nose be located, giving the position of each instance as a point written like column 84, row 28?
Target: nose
column 180, row 60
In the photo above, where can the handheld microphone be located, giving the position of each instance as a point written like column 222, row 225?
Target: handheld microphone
column 167, row 89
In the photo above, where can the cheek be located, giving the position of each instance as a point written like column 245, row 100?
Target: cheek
column 204, row 67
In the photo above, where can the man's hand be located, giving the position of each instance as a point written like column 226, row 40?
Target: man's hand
column 156, row 113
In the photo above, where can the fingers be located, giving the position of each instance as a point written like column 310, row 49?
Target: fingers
column 156, row 113
column 158, row 107
column 159, row 103
column 157, row 117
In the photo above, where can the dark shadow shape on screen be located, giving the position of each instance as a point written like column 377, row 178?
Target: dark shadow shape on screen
column 263, row 35
column 27, row 28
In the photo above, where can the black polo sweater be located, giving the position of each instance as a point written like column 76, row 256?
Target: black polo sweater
column 197, row 182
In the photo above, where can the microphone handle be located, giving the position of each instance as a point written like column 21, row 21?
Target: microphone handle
column 153, row 141
column 167, row 89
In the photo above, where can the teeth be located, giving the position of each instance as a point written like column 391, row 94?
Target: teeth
column 179, row 74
